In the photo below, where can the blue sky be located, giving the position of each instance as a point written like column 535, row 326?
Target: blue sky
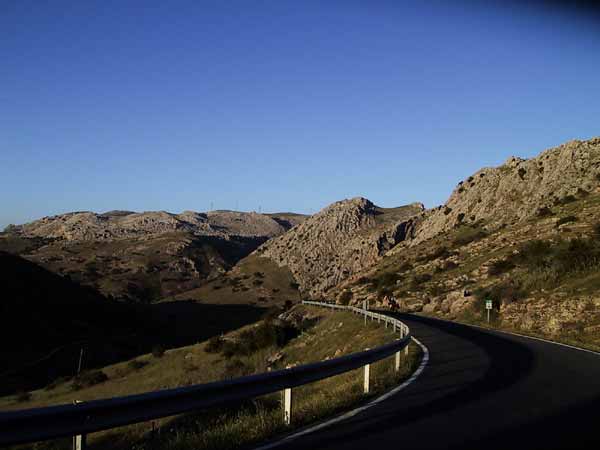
column 278, row 104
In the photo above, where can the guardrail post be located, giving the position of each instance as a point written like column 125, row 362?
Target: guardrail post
column 79, row 441
column 367, row 378
column 287, row 406
column 406, row 350
column 397, row 364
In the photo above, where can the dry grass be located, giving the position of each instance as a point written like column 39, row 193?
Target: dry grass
column 242, row 285
column 333, row 335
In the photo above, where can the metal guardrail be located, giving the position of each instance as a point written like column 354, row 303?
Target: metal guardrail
column 38, row 424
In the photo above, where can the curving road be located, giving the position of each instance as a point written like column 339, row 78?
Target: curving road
column 481, row 390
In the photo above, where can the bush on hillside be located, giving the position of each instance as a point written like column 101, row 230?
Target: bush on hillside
column 500, row 266
column 345, row 297
column 136, row 364
column 566, row 199
column 467, row 234
column 214, row 345
column 266, row 334
column 503, row 293
column 87, row 379
column 419, row 279
column 405, row 266
column 567, row 219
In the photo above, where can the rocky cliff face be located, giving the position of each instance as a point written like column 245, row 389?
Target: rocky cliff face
column 517, row 190
column 341, row 240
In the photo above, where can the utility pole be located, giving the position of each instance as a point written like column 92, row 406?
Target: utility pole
column 79, row 366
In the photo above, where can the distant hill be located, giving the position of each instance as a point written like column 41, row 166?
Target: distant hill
column 46, row 319
column 339, row 241
column 144, row 256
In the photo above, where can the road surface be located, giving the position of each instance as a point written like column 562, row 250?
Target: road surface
column 481, row 390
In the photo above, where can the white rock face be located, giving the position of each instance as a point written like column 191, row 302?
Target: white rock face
column 518, row 189
column 341, row 240
column 123, row 225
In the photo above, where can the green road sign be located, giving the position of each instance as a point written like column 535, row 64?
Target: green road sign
column 488, row 304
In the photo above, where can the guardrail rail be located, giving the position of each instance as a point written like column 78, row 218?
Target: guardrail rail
column 78, row 420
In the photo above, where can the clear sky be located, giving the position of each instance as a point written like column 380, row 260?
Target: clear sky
column 283, row 105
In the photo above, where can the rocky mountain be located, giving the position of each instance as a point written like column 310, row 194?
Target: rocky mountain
column 341, row 240
column 517, row 190
column 89, row 226
column 525, row 235
column 143, row 256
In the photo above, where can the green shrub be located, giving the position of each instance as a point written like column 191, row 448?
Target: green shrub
column 419, row 279
column 136, row 364
column 236, row 368
column 440, row 252
column 345, row 297
column 567, row 219
column 549, row 263
column 534, row 252
column 466, row 235
column 544, row 212
column 214, row 345
column 266, row 334
column 405, row 266
column 503, row 293
column 565, row 200
column 87, row 379
column 500, row 266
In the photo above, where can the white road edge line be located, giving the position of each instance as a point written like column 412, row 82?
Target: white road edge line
column 511, row 333
column 358, row 410
column 573, row 347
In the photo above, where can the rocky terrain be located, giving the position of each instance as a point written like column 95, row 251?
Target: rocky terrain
column 341, row 240
column 525, row 235
column 517, row 190
column 89, row 226
column 143, row 256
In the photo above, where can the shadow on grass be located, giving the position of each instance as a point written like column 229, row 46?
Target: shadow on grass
column 169, row 325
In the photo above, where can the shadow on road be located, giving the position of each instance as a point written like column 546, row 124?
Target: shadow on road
column 466, row 365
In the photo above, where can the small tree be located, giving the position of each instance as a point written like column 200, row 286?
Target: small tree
column 345, row 297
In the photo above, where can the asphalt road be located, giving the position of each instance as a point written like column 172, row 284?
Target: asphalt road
column 481, row 390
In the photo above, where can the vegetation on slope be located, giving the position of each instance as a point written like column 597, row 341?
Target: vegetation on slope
column 318, row 335
column 254, row 281
column 46, row 319
column 542, row 274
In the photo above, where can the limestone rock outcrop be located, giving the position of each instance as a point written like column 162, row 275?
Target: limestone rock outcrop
column 340, row 241
column 518, row 189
